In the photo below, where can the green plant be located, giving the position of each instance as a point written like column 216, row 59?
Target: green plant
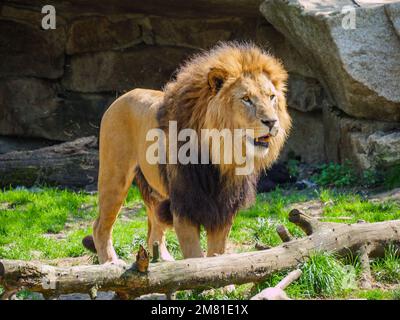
column 387, row 269
column 335, row 175
column 353, row 206
column 374, row 294
column 293, row 167
column 392, row 177
column 370, row 178
column 322, row 275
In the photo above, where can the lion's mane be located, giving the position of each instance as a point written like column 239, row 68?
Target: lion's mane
column 205, row 194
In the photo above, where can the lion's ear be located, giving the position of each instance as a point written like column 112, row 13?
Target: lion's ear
column 216, row 79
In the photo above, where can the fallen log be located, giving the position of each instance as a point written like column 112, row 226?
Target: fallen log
column 203, row 273
column 70, row 164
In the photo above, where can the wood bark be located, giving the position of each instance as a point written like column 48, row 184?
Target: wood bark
column 204, row 273
column 71, row 164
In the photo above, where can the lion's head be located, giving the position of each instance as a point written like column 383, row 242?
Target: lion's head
column 233, row 86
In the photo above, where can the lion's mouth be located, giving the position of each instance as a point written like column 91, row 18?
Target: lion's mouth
column 262, row 141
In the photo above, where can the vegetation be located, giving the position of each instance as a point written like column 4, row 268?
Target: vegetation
column 47, row 223
column 344, row 175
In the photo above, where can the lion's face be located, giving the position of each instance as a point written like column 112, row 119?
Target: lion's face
column 250, row 102
column 233, row 87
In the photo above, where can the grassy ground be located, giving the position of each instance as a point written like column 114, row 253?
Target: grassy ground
column 49, row 223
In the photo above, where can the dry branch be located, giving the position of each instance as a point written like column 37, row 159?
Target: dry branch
column 283, row 233
column 203, row 273
column 277, row 293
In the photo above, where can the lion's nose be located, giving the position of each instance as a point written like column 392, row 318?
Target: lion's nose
column 269, row 123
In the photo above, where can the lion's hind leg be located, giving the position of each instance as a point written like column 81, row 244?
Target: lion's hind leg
column 217, row 240
column 112, row 193
column 156, row 226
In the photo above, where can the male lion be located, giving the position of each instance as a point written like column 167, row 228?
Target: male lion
column 232, row 86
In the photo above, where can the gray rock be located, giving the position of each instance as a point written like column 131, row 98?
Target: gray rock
column 346, row 138
column 393, row 11
column 121, row 71
column 193, row 33
column 306, row 94
column 305, row 184
column 9, row 144
column 273, row 41
column 102, row 33
column 383, row 149
column 39, row 110
column 306, row 139
column 27, row 50
column 71, row 164
column 359, row 67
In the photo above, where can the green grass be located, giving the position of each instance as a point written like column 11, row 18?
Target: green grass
column 50, row 223
column 387, row 269
column 378, row 294
column 323, row 276
column 31, row 221
column 356, row 208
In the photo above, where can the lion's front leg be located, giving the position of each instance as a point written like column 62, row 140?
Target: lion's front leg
column 217, row 240
column 189, row 237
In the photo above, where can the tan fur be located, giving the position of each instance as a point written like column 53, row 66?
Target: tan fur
column 193, row 99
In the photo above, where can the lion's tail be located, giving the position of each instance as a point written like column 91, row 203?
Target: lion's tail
column 163, row 211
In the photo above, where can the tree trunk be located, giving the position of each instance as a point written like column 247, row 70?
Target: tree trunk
column 71, row 164
column 203, row 273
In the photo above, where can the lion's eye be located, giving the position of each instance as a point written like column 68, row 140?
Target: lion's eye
column 272, row 97
column 246, row 99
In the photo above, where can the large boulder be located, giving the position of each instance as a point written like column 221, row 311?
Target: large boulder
column 306, row 94
column 144, row 66
column 71, row 164
column 194, row 33
column 90, row 34
column 306, row 140
column 359, row 67
column 355, row 140
column 10, row 144
column 383, row 149
column 42, row 109
column 28, row 50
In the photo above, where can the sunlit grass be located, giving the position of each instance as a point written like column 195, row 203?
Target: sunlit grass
column 387, row 269
column 356, row 208
column 50, row 223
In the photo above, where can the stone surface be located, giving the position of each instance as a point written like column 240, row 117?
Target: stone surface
column 347, row 138
column 306, row 140
column 393, row 12
column 27, row 50
column 145, row 66
column 273, row 41
column 173, row 8
column 197, row 33
column 359, row 67
column 10, row 144
column 306, row 94
column 383, row 149
column 40, row 110
column 71, row 164
column 102, row 33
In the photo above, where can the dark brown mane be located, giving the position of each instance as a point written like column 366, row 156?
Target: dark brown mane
column 199, row 192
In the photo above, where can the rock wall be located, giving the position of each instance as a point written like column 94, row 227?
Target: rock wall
column 353, row 49
column 56, row 84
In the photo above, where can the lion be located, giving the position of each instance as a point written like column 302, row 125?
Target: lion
column 230, row 86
